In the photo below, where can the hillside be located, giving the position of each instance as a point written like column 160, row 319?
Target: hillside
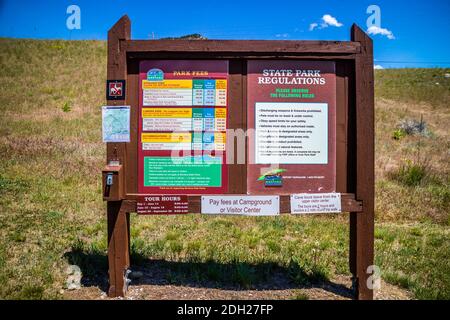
column 52, row 213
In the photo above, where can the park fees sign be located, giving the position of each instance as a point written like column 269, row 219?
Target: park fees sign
column 182, row 126
column 215, row 126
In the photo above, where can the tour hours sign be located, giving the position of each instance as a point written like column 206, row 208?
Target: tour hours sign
column 238, row 127
column 291, row 109
column 182, row 126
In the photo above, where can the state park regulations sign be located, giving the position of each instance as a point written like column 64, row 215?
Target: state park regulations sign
column 182, row 127
column 291, row 106
column 291, row 125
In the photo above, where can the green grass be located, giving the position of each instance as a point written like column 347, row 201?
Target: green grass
column 52, row 215
column 410, row 174
column 414, row 85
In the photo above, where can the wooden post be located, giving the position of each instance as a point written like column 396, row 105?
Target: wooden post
column 118, row 248
column 362, row 224
column 117, row 212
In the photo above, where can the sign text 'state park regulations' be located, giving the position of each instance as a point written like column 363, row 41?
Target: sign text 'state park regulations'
column 291, row 105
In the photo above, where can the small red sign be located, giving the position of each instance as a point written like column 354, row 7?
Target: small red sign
column 115, row 89
column 162, row 204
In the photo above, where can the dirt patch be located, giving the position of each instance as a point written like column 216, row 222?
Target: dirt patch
column 337, row 289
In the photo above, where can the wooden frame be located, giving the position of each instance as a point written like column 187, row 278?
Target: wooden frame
column 355, row 131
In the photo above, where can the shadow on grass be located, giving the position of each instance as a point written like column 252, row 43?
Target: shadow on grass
column 93, row 265
column 206, row 274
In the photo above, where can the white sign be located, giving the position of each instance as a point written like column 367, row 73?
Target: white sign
column 167, row 97
column 241, row 205
column 116, row 123
column 167, row 124
column 315, row 203
column 166, row 146
column 291, row 133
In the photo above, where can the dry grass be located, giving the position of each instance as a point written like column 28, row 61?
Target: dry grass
column 430, row 200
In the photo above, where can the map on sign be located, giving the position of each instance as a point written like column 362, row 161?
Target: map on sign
column 183, row 110
column 116, row 123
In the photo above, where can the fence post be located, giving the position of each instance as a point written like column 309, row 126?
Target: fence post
column 117, row 211
column 362, row 223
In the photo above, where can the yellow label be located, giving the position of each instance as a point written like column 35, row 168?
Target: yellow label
column 220, row 137
column 220, row 113
column 166, row 113
column 166, row 137
column 167, row 84
column 221, row 84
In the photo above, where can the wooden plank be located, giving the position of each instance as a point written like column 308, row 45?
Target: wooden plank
column 363, row 223
column 240, row 46
column 351, row 161
column 237, row 55
column 117, row 218
column 348, row 203
column 118, row 248
column 127, row 207
column 117, row 69
column 244, row 123
column 236, row 119
column 112, row 212
column 341, row 126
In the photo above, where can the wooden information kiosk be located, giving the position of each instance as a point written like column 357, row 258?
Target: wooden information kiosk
column 239, row 127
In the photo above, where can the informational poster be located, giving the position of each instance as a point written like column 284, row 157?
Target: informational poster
column 305, row 203
column 182, row 127
column 162, row 204
column 241, row 205
column 291, row 118
column 116, row 123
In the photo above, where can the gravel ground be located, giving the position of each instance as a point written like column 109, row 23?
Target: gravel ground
column 147, row 288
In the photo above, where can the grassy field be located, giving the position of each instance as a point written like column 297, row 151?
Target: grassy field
column 52, row 214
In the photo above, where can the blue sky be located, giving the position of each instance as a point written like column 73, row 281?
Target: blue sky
column 420, row 28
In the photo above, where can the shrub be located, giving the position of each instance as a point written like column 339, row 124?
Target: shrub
column 66, row 107
column 398, row 134
column 410, row 174
column 413, row 127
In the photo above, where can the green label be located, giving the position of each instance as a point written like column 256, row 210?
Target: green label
column 197, row 113
column 197, row 84
column 197, row 137
column 199, row 171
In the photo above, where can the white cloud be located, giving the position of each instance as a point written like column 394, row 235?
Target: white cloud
column 312, row 26
column 331, row 21
column 383, row 31
column 378, row 67
column 326, row 21
column 282, row 35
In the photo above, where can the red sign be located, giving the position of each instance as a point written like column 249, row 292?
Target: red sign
column 115, row 89
column 291, row 116
column 159, row 204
